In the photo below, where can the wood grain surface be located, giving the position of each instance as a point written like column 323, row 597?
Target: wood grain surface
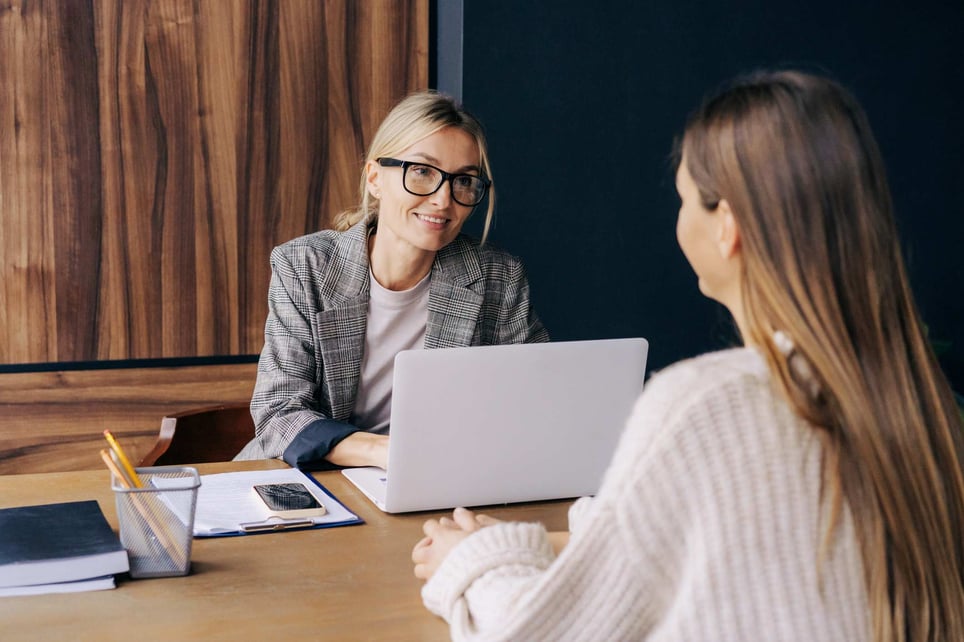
column 54, row 421
column 152, row 152
column 351, row 583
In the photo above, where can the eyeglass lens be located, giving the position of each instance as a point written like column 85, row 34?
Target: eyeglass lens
column 423, row 180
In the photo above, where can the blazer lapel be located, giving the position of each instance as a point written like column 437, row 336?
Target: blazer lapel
column 343, row 321
column 342, row 335
column 453, row 302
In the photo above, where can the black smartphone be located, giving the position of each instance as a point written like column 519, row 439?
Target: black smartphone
column 289, row 500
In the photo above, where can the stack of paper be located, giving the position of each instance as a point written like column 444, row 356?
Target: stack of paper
column 58, row 548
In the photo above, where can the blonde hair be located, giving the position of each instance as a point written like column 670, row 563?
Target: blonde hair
column 416, row 117
column 794, row 157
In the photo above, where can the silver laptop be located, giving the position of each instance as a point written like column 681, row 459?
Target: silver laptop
column 501, row 424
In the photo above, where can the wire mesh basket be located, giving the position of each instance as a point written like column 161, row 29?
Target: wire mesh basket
column 157, row 520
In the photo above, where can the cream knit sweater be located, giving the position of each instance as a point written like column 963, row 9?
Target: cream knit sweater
column 707, row 527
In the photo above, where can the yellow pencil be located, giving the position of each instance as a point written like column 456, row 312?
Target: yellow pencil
column 112, row 466
column 118, row 468
column 125, row 462
column 157, row 526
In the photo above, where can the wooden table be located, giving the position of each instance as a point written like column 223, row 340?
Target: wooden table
column 345, row 583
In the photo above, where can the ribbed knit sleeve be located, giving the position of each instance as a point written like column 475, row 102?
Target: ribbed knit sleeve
column 513, row 552
column 707, row 527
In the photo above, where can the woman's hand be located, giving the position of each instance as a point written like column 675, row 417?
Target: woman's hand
column 361, row 449
column 441, row 536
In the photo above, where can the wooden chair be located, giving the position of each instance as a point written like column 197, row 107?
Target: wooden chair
column 215, row 433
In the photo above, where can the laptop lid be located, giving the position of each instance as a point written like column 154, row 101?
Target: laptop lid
column 501, row 424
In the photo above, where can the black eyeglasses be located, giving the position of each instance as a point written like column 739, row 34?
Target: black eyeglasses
column 421, row 179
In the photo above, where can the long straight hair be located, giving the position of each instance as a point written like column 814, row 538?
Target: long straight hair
column 794, row 157
column 418, row 116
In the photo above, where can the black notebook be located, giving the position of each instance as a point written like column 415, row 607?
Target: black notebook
column 57, row 543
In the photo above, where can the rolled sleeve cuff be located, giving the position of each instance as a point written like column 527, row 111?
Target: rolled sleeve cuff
column 519, row 550
column 310, row 447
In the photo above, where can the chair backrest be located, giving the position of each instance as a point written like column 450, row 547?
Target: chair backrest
column 215, row 433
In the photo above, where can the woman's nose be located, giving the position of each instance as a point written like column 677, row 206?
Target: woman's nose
column 442, row 197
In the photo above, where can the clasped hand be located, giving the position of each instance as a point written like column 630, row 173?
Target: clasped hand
column 441, row 536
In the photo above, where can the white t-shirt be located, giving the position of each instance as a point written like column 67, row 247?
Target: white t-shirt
column 396, row 322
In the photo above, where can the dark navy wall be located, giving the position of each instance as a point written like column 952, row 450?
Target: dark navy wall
column 582, row 101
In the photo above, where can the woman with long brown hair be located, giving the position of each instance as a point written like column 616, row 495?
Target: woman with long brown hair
column 808, row 486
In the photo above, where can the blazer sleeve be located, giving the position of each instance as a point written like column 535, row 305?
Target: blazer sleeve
column 516, row 320
column 289, row 419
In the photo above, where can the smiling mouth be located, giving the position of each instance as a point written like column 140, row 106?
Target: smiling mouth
column 437, row 220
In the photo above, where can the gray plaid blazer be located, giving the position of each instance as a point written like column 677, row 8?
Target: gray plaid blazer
column 317, row 312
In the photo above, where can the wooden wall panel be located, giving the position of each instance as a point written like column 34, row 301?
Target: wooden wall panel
column 52, row 421
column 152, row 152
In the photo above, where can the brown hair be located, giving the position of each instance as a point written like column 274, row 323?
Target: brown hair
column 418, row 116
column 794, row 157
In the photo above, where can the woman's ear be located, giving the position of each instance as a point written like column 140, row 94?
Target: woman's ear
column 728, row 239
column 373, row 178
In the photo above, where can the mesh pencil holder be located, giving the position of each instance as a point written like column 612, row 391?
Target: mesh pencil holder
column 157, row 520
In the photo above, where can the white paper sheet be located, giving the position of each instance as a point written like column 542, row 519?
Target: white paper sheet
column 93, row 584
column 227, row 500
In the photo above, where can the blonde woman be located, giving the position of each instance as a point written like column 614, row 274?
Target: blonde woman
column 395, row 274
column 807, row 486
